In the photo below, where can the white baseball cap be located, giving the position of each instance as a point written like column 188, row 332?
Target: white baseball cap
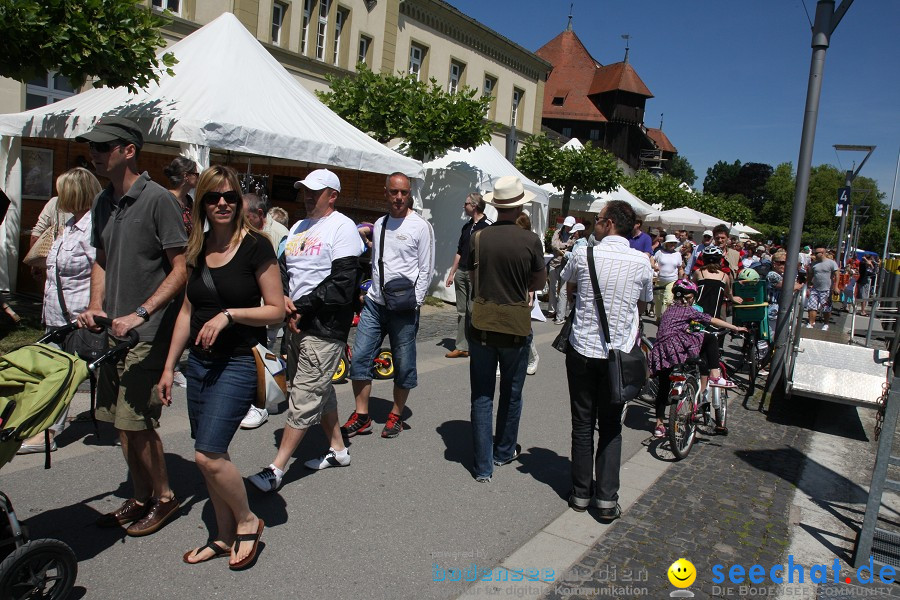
column 319, row 180
column 708, row 233
column 577, row 227
column 569, row 221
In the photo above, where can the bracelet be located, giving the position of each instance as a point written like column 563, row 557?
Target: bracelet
column 228, row 315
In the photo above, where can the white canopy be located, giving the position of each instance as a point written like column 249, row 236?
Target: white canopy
column 448, row 180
column 683, row 218
column 592, row 203
column 228, row 93
column 739, row 228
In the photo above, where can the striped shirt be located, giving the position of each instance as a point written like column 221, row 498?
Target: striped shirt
column 624, row 276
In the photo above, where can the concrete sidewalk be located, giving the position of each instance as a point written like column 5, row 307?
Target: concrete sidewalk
column 406, row 519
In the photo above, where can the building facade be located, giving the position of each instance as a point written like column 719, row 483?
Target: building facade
column 313, row 39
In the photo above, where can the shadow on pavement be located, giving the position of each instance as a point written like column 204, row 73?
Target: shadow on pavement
column 448, row 343
column 457, row 436
column 549, row 468
column 74, row 524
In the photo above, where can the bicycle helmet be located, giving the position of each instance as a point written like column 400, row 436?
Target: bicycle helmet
column 712, row 254
column 748, row 274
column 683, row 287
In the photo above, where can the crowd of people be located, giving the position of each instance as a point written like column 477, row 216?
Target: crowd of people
column 216, row 274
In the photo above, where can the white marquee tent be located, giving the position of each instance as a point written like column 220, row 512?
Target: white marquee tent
column 448, row 180
column 592, row 203
column 228, row 93
column 683, row 218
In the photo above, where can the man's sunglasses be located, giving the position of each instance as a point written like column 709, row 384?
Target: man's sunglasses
column 103, row 147
column 212, row 198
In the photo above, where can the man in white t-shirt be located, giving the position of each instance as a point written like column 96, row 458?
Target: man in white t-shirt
column 322, row 258
column 402, row 256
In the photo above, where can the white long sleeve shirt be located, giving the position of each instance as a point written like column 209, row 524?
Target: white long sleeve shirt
column 408, row 252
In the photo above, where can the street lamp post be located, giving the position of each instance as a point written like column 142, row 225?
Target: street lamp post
column 827, row 20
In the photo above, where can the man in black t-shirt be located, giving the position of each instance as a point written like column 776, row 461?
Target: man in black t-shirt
column 459, row 272
column 507, row 262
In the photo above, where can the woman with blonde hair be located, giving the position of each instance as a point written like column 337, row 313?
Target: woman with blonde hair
column 67, row 289
column 233, row 292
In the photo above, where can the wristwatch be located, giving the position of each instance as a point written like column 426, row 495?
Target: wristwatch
column 142, row 313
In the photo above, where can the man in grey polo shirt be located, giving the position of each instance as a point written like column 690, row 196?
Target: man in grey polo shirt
column 140, row 238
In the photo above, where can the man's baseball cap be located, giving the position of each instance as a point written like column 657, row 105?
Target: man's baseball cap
column 111, row 129
column 568, row 221
column 708, row 233
column 319, row 180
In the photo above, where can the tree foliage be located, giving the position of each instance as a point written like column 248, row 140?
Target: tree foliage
column 719, row 177
column 681, row 169
column 667, row 190
column 427, row 118
column 114, row 41
column 584, row 170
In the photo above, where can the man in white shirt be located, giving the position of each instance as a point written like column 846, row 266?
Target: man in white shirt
column 402, row 258
column 322, row 258
column 625, row 278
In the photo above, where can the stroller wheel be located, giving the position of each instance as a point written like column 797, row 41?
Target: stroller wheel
column 384, row 364
column 39, row 569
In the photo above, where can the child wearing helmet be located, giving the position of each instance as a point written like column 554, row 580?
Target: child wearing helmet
column 676, row 343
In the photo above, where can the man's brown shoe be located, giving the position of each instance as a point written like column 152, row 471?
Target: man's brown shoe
column 156, row 517
column 130, row 511
column 457, row 354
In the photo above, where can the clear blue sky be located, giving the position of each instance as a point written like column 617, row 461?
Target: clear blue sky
column 731, row 76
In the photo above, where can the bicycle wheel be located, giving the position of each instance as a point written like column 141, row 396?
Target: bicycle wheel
column 750, row 341
column 682, row 427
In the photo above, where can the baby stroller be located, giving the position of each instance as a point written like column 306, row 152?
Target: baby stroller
column 37, row 383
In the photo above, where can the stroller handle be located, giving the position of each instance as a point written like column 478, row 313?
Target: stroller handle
column 119, row 350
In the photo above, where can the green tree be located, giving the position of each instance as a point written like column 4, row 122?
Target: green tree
column 719, row 177
column 681, row 169
column 668, row 191
column 583, row 170
column 428, row 119
column 750, row 183
column 114, row 41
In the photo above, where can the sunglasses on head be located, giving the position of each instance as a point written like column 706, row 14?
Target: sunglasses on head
column 212, row 198
column 103, row 147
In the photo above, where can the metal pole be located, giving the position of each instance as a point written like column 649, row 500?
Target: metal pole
column 887, row 236
column 822, row 30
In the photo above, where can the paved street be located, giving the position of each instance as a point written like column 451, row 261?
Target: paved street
column 406, row 519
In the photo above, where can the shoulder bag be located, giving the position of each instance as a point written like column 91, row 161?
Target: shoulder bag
column 627, row 370
column 271, row 384
column 84, row 343
column 399, row 294
column 37, row 255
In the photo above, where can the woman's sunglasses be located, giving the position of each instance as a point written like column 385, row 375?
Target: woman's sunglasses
column 212, row 198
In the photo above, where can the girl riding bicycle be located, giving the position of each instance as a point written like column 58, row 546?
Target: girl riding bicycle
column 678, row 340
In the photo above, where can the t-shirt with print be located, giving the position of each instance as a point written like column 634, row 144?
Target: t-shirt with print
column 668, row 265
column 237, row 287
column 821, row 274
column 313, row 244
column 135, row 233
column 506, row 256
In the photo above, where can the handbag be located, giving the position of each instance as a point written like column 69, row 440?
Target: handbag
column 561, row 342
column 399, row 294
column 84, row 343
column 37, row 255
column 271, row 384
column 627, row 370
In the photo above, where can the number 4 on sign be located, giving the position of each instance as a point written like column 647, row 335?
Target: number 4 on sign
column 844, row 196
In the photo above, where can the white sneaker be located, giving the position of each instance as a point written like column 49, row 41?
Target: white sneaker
column 532, row 366
column 255, row 417
column 329, row 459
column 267, row 480
column 808, row 326
column 179, row 379
column 825, row 327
